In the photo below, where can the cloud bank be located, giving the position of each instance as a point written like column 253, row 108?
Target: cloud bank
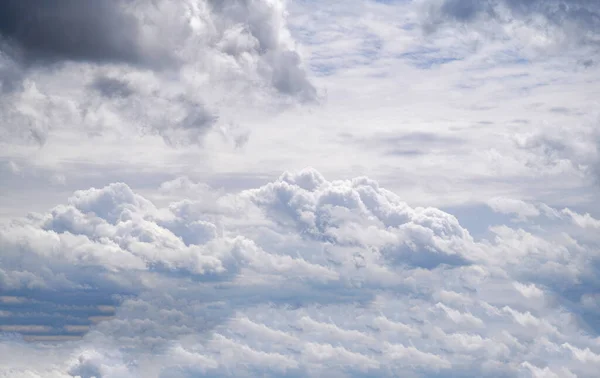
column 300, row 277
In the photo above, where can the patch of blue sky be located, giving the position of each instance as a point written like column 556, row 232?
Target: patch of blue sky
column 478, row 219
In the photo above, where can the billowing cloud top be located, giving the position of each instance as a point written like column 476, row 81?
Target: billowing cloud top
column 300, row 277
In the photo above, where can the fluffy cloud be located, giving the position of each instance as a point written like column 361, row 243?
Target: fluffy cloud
column 155, row 67
column 300, row 277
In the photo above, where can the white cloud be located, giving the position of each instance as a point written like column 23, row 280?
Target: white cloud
column 278, row 290
column 522, row 209
column 582, row 220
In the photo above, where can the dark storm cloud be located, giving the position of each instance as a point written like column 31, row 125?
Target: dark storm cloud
column 79, row 30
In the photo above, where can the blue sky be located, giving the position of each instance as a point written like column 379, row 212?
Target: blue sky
column 277, row 188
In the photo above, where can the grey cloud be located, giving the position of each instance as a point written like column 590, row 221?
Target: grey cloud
column 577, row 145
column 288, row 76
column 262, row 32
column 423, row 257
column 10, row 74
column 80, row 30
column 111, row 87
column 180, row 119
column 587, row 63
column 86, row 369
column 143, row 60
column 463, row 10
column 188, row 127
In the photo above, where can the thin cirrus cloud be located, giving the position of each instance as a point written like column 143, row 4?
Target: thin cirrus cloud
column 300, row 277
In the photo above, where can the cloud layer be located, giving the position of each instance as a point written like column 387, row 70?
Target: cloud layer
column 300, row 277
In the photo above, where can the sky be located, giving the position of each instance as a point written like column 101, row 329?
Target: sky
column 300, row 188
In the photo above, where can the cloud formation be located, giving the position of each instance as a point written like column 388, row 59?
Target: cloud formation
column 157, row 67
column 300, row 277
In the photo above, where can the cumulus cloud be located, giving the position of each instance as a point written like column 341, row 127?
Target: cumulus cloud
column 157, row 67
column 300, row 277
